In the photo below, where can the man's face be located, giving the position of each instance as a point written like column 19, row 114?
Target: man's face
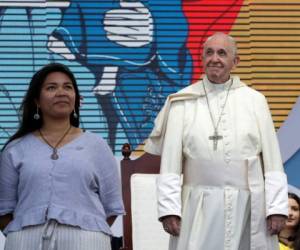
column 219, row 59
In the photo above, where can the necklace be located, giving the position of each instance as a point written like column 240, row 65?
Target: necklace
column 216, row 136
column 54, row 155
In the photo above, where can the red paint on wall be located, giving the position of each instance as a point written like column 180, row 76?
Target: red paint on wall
column 206, row 17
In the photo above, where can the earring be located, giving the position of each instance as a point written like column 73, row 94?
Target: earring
column 36, row 116
column 75, row 114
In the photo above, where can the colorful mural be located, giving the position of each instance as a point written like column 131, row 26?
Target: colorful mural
column 128, row 55
column 130, row 49
column 123, row 53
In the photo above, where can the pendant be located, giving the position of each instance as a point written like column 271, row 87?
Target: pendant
column 54, row 155
column 215, row 137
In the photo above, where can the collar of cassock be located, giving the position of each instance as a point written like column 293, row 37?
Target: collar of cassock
column 196, row 90
column 211, row 87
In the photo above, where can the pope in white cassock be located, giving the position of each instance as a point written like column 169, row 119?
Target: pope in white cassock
column 219, row 135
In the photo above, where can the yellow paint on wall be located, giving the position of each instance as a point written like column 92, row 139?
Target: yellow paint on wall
column 268, row 37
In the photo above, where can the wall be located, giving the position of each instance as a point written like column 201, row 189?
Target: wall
column 129, row 55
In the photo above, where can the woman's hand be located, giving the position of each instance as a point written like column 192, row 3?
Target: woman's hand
column 110, row 220
column 4, row 220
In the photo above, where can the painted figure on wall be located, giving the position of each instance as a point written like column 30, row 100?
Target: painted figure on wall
column 134, row 50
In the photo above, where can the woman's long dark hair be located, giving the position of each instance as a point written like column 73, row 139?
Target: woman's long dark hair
column 28, row 107
column 296, row 244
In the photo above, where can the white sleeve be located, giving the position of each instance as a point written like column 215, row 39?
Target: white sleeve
column 168, row 183
column 275, row 179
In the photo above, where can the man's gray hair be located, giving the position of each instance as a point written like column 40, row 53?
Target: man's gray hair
column 230, row 39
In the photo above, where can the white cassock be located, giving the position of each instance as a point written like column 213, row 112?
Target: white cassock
column 226, row 194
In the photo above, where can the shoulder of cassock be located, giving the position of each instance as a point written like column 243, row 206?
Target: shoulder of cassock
column 155, row 141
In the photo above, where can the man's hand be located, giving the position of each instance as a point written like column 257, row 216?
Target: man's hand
column 171, row 224
column 129, row 26
column 276, row 223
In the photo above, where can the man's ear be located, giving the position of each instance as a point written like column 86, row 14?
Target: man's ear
column 236, row 60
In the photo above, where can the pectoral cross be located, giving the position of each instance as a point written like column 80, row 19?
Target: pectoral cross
column 215, row 137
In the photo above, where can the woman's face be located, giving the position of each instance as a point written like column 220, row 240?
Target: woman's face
column 57, row 97
column 294, row 216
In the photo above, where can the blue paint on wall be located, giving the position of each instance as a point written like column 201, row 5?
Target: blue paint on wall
column 127, row 57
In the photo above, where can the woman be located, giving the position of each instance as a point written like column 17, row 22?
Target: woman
column 289, row 237
column 59, row 185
